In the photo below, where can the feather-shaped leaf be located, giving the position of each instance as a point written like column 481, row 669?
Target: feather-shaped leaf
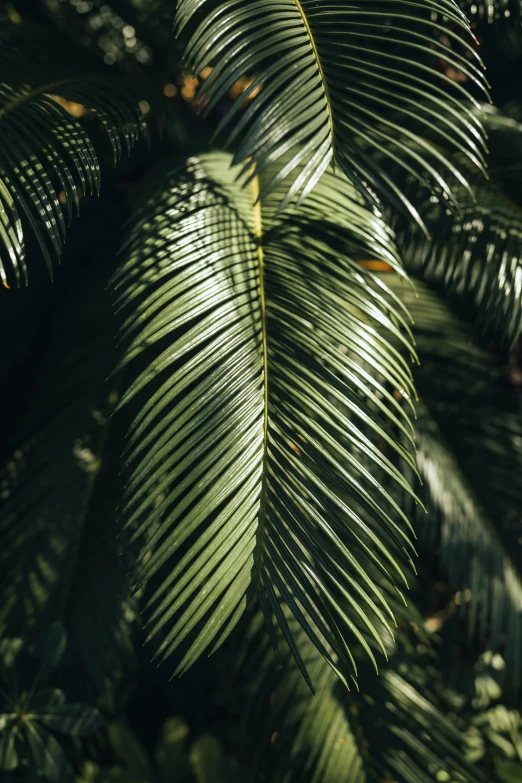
column 257, row 414
column 469, row 435
column 474, row 257
column 392, row 730
column 60, row 558
column 47, row 157
column 338, row 82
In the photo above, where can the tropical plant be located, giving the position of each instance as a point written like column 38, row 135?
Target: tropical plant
column 268, row 410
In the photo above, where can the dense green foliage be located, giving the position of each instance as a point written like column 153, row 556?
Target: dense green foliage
column 261, row 417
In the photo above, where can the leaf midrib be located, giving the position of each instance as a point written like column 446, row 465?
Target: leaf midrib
column 258, row 236
column 319, row 66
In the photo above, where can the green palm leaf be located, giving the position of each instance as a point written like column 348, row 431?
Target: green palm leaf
column 60, row 558
column 47, row 158
column 474, row 257
column 394, row 729
column 338, row 83
column 256, row 414
column 469, row 435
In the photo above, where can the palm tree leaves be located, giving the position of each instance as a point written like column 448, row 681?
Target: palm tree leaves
column 300, row 736
column 472, row 554
column 338, row 83
column 392, row 730
column 60, row 557
column 469, row 434
column 47, row 158
column 249, row 453
column 474, row 257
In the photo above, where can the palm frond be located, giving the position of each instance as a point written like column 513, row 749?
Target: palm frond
column 393, row 729
column 60, row 558
column 47, row 157
column 257, row 414
column 474, row 257
column 469, row 435
column 338, row 83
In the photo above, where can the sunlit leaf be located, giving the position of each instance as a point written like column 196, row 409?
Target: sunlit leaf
column 261, row 419
column 339, row 83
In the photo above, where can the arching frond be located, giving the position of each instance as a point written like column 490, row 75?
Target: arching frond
column 258, row 418
column 474, row 257
column 337, row 82
column 469, row 435
column 393, row 729
column 47, row 157
column 60, row 559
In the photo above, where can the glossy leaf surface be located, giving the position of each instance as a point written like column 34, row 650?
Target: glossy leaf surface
column 259, row 418
column 337, row 82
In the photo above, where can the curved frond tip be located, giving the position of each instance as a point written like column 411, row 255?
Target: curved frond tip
column 269, row 398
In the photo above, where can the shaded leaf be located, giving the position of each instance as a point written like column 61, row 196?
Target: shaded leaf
column 469, row 434
column 8, row 752
column 44, row 753
column 210, row 765
column 171, row 751
column 77, row 720
column 508, row 771
column 47, row 158
column 60, row 558
column 392, row 730
column 128, row 748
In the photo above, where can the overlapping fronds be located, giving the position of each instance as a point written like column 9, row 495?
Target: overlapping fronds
column 338, row 82
column 47, row 157
column 469, row 435
column 60, row 558
column 392, row 729
column 474, row 257
column 258, row 418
